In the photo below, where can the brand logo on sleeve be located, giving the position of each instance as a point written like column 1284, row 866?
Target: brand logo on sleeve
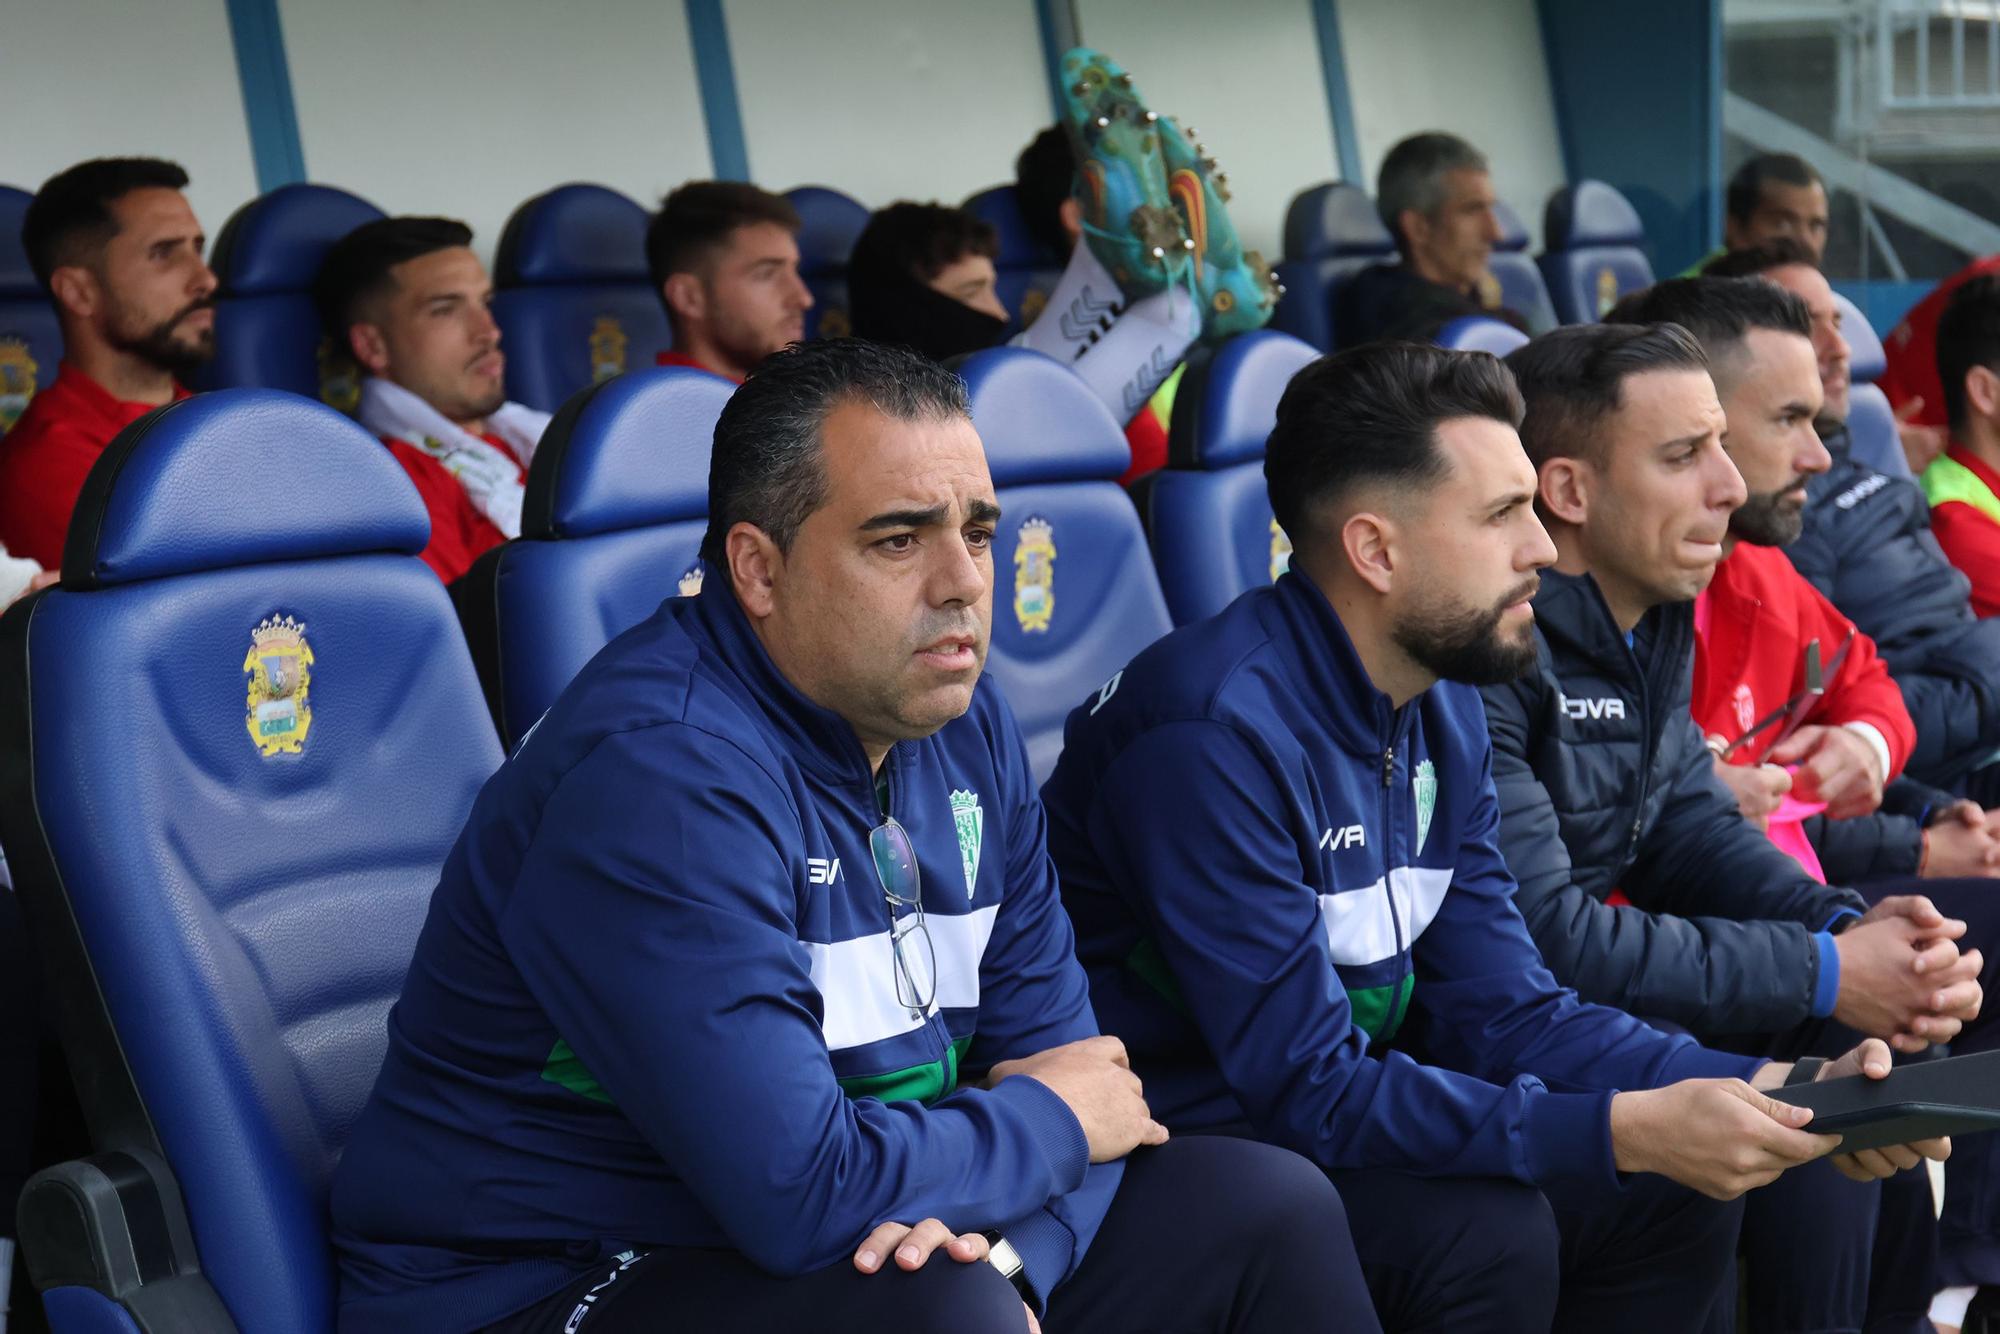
column 822, row 870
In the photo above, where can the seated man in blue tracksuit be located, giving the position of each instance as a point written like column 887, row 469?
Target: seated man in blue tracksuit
column 751, row 958
column 1278, row 839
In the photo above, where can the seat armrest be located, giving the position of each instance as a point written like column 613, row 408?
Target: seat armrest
column 115, row 1223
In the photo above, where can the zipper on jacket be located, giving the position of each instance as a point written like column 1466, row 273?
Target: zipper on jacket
column 1389, row 803
column 1639, row 669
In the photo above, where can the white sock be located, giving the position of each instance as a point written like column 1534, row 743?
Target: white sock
column 1948, row 1307
column 1140, row 350
column 1080, row 310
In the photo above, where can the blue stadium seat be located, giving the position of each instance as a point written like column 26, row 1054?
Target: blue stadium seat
column 830, row 224
column 1207, row 513
column 1028, row 269
column 1871, row 422
column 1332, row 232
column 1591, row 238
column 1481, row 333
column 611, row 527
column 30, row 339
column 573, row 296
column 239, row 740
column 267, row 333
column 1075, row 594
column 1516, row 283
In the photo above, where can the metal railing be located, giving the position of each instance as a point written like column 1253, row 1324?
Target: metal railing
column 1906, row 33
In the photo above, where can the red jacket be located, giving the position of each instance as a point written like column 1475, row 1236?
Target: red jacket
column 1911, row 347
column 1760, row 615
column 460, row 533
column 45, row 458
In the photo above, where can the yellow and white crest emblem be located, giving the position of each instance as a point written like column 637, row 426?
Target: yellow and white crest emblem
column 1281, row 551
column 607, row 348
column 279, row 666
column 834, row 323
column 1607, row 291
column 1035, row 574
column 691, row 581
column 339, row 378
column 17, row 380
column 1490, row 295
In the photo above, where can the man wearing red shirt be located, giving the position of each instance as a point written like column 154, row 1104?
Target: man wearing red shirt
column 1963, row 485
column 413, row 304
column 119, row 250
column 1911, row 377
column 725, row 257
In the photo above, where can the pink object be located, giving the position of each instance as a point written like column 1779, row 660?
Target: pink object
column 1786, row 828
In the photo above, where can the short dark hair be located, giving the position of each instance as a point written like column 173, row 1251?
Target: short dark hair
column 696, row 219
column 1719, row 312
column 1780, row 252
column 1044, row 175
column 766, row 467
column 1370, row 414
column 70, row 218
column 920, row 240
column 1968, row 335
column 356, row 268
column 1412, row 176
column 1746, row 187
column 1572, row 378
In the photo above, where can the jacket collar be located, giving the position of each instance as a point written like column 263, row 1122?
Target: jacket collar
column 1324, row 660
column 817, row 737
column 1572, row 616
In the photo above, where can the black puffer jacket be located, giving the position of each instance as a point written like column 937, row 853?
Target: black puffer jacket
column 1605, row 784
column 1868, row 547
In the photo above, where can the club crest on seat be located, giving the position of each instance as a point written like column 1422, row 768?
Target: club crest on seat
column 1035, row 575
column 279, row 666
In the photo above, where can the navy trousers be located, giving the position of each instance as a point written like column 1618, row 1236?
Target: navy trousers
column 1206, row 1234
column 1462, row 1256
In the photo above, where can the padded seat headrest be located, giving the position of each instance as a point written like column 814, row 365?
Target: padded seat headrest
column 1038, row 421
column 1227, row 402
column 17, row 279
column 1866, row 359
column 829, row 225
column 573, row 234
column 1481, row 333
column 1513, row 233
column 238, row 477
column 275, row 242
column 1335, row 220
column 1590, row 213
column 1019, row 249
column 631, row 452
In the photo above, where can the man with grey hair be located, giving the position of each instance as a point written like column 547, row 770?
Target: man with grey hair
column 1435, row 195
column 747, row 1000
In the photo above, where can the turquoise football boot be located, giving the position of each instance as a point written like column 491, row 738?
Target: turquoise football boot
column 1129, row 221
column 1236, row 287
